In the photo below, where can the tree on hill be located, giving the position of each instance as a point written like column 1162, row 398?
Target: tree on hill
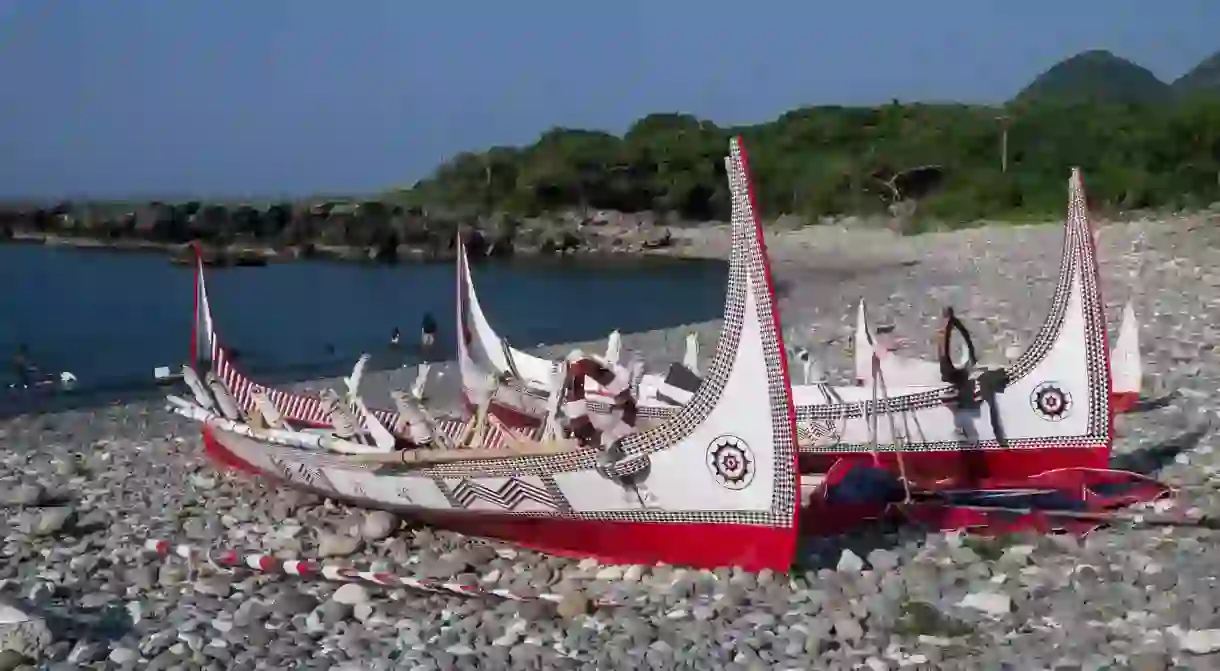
column 1096, row 77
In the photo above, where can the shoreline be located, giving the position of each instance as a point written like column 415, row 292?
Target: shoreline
column 258, row 254
column 558, row 238
column 685, row 241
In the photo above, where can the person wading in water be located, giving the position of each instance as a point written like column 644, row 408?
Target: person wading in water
column 427, row 332
column 22, row 368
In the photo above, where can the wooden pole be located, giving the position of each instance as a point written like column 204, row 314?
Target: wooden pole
column 1003, row 119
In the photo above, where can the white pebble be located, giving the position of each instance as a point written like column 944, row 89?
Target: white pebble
column 351, row 594
column 991, row 603
column 850, row 562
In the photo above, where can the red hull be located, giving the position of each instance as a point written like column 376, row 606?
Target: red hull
column 968, row 466
column 697, row 545
column 1124, row 401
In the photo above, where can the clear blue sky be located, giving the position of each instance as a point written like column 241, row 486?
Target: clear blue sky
column 118, row 98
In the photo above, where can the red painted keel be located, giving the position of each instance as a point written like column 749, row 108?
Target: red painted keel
column 967, row 466
column 1124, row 401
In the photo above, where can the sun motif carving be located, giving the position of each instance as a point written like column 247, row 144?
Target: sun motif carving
column 731, row 462
column 1051, row 402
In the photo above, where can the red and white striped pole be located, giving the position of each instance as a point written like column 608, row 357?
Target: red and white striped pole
column 309, row 569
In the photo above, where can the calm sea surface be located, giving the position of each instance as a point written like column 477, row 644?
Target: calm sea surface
column 111, row 317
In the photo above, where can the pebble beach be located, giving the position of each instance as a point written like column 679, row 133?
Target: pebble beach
column 81, row 493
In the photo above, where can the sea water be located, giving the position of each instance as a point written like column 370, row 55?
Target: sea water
column 112, row 317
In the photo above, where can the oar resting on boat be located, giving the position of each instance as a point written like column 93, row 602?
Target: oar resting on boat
column 365, row 455
column 518, row 447
column 307, row 440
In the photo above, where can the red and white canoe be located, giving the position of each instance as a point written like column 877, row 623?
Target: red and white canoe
column 1126, row 369
column 1048, row 409
column 713, row 484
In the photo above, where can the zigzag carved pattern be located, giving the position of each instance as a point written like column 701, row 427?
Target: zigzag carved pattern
column 303, row 473
column 508, row 496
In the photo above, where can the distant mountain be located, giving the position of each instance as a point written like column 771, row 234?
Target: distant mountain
column 1203, row 78
column 1096, row 76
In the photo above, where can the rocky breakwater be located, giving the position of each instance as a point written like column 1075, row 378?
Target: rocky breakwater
column 369, row 230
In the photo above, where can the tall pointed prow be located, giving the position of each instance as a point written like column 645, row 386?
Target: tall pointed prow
column 1125, row 365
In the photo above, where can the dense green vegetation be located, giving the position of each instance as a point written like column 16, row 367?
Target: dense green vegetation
column 835, row 160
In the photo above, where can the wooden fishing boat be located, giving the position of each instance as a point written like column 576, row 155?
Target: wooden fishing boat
column 713, row 484
column 1049, row 409
column 1126, row 369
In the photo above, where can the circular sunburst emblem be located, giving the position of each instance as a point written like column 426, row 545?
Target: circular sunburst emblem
column 731, row 462
column 1051, row 402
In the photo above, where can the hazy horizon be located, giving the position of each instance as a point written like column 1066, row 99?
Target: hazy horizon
column 228, row 100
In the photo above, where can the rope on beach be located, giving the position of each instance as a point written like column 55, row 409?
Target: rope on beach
column 229, row 560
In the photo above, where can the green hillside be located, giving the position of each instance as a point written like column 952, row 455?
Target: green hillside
column 1096, row 77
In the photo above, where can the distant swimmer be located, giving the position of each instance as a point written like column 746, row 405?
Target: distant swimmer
column 394, row 339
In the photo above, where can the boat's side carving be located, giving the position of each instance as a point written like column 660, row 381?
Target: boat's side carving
column 536, row 493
